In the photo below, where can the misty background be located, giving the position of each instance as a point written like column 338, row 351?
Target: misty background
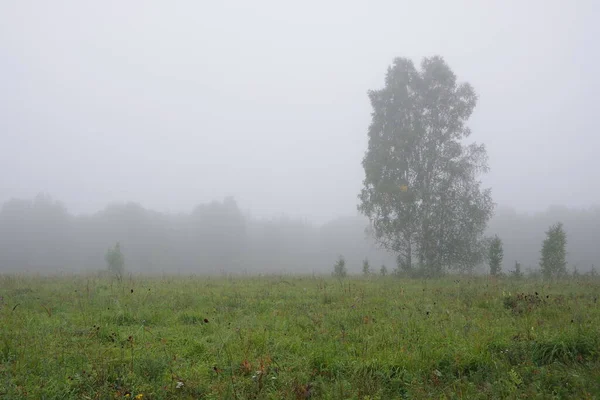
column 229, row 135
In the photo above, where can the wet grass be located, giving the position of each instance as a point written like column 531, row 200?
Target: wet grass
column 78, row 337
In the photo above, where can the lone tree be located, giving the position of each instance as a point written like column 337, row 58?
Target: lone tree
column 339, row 269
column 517, row 271
column 115, row 261
column 495, row 255
column 383, row 270
column 554, row 253
column 421, row 190
column 366, row 269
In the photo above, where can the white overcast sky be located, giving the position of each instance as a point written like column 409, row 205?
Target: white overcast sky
column 175, row 103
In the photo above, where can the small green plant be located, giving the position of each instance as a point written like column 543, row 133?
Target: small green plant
column 517, row 273
column 339, row 269
column 115, row 261
column 383, row 270
column 366, row 268
column 495, row 254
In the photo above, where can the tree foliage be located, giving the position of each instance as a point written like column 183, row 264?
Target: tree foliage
column 421, row 189
column 554, row 253
column 495, row 255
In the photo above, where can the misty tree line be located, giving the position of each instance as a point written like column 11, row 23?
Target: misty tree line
column 523, row 235
column 41, row 235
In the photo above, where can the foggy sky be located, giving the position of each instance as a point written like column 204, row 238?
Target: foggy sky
column 171, row 104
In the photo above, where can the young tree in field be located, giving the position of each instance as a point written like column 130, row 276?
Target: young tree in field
column 339, row 269
column 383, row 270
column 517, row 271
column 495, row 256
column 115, row 261
column 421, row 189
column 553, row 261
column 366, row 269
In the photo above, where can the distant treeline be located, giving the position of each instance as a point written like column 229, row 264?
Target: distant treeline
column 523, row 235
column 41, row 235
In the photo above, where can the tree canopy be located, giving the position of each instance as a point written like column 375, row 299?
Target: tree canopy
column 421, row 189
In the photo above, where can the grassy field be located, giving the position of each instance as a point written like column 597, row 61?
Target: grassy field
column 78, row 337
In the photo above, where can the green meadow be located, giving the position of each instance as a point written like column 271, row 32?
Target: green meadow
column 291, row 337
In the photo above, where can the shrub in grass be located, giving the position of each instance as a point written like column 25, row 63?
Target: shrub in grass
column 115, row 261
column 339, row 269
